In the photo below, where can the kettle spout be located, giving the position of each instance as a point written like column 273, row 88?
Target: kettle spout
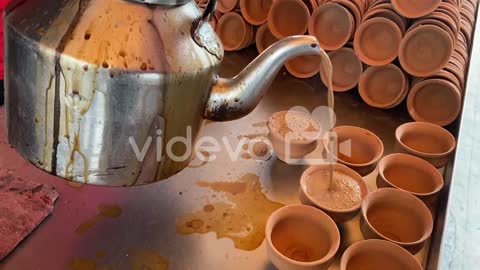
column 234, row 98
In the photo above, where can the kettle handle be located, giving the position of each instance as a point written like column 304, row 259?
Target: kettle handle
column 204, row 36
column 209, row 10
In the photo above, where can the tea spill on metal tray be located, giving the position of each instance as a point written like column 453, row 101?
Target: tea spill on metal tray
column 83, row 264
column 144, row 259
column 148, row 260
column 204, row 161
column 252, row 136
column 258, row 150
column 260, row 124
column 104, row 211
column 242, row 218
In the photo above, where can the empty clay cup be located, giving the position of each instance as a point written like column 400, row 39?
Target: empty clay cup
column 304, row 66
column 358, row 148
column 225, row 6
column 377, row 254
column 300, row 237
column 396, row 216
column 293, row 134
column 342, row 202
column 383, row 86
column 377, row 41
column 288, row 18
column 425, row 50
column 255, row 11
column 234, row 32
column 415, row 8
column 264, row 38
column 434, row 101
column 347, row 69
column 427, row 141
column 411, row 174
column 335, row 20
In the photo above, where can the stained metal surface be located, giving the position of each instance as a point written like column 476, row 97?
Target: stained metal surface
column 150, row 212
column 88, row 82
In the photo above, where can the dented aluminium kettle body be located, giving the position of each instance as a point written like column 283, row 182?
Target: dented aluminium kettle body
column 91, row 83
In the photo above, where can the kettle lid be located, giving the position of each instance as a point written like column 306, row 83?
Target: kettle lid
column 162, row 2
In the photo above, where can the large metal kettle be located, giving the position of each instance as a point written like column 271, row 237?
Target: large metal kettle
column 86, row 78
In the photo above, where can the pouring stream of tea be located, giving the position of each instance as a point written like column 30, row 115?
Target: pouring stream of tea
column 327, row 73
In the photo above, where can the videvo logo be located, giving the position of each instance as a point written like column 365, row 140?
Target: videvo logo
column 328, row 144
column 207, row 148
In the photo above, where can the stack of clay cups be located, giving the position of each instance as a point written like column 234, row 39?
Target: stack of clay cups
column 256, row 13
column 383, row 84
column 288, row 18
column 415, row 8
column 384, row 87
column 378, row 37
column 264, row 38
column 430, row 40
column 235, row 32
column 467, row 11
column 238, row 21
column 437, row 98
column 225, row 6
column 338, row 18
column 347, row 69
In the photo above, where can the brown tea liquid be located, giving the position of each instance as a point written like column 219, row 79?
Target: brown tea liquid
column 326, row 72
column 242, row 218
column 148, row 260
column 343, row 192
column 104, row 211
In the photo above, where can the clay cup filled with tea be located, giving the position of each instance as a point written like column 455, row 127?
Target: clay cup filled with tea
column 335, row 189
column 396, row 216
column 293, row 134
column 301, row 237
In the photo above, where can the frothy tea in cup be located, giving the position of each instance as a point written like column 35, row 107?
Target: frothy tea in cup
column 343, row 192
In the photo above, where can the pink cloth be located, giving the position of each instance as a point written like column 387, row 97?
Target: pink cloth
column 3, row 3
